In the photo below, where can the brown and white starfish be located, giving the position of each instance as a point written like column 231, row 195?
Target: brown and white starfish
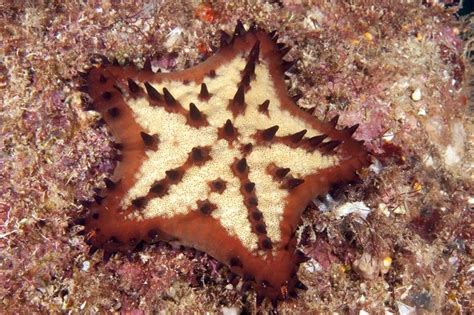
column 217, row 157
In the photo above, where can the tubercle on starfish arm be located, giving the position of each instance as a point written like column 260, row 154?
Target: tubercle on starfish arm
column 217, row 157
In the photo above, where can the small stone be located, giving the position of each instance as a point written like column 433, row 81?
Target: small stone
column 388, row 136
column 376, row 166
column 353, row 207
column 367, row 266
column 401, row 209
column 382, row 207
column 416, row 95
column 451, row 156
column 230, row 311
column 404, row 309
column 428, row 161
column 312, row 266
column 453, row 260
column 229, row 286
column 83, row 305
column 86, row 265
column 174, row 37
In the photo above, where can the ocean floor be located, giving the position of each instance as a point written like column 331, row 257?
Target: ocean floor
column 396, row 241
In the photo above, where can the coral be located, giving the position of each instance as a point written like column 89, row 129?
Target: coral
column 221, row 160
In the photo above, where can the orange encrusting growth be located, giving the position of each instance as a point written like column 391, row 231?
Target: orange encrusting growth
column 269, row 266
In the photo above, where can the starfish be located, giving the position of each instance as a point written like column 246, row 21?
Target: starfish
column 217, row 157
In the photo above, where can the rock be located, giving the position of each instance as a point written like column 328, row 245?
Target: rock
column 353, row 207
column 230, row 311
column 86, row 265
column 401, row 209
column 416, row 95
column 383, row 208
column 367, row 266
column 404, row 309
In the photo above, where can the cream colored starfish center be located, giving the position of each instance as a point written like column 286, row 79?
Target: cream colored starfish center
column 177, row 139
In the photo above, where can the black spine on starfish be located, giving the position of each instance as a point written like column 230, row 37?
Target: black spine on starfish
column 330, row 145
column 333, row 121
column 239, row 97
column 294, row 182
column 284, row 50
column 267, row 244
column 139, row 202
column 152, row 92
column 113, row 112
column 249, row 187
column 269, row 134
column 133, row 86
column 287, row 65
column 260, row 228
column 148, row 140
column 101, row 59
column 310, row 110
column 229, row 129
column 194, row 112
column 169, row 98
column 107, row 96
column 297, row 137
column 98, row 199
column 301, row 257
column 204, row 93
column 241, row 165
column 205, row 209
column 300, row 285
column 254, row 52
column 225, row 39
column 174, row 175
column 282, row 172
column 159, row 188
column 109, row 184
column 235, row 262
column 198, row 155
column 298, row 95
column 263, row 108
column 218, row 185
column 350, row 130
column 252, row 59
column 257, row 215
column 316, row 140
column 245, row 81
column 147, row 65
column 239, row 29
column 117, row 146
column 83, row 75
column 273, row 36
column 102, row 79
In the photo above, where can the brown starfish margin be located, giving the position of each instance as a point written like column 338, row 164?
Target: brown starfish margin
column 217, row 157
